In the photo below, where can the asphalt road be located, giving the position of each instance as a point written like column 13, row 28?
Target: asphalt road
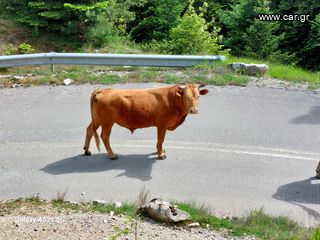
column 248, row 148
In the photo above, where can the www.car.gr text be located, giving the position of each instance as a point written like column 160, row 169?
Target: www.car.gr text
column 285, row 17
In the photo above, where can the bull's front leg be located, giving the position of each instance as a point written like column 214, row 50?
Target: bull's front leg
column 161, row 136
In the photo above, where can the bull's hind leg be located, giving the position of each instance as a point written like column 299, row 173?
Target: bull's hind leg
column 105, row 135
column 161, row 136
column 92, row 127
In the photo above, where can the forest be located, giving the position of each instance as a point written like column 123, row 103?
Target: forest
column 232, row 27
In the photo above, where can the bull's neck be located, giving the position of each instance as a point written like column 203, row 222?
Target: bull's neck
column 179, row 103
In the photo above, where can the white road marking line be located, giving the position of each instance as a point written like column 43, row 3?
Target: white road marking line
column 181, row 145
column 241, row 147
column 289, row 154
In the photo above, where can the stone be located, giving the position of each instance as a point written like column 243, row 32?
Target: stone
column 99, row 202
column 111, row 214
column 161, row 210
column 251, row 69
column 68, row 81
column 117, row 204
column 18, row 77
column 193, row 225
column 15, row 85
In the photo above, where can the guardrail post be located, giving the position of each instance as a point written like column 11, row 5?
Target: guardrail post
column 52, row 65
column 53, row 68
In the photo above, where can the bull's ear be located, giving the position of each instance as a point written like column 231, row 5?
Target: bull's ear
column 203, row 91
column 181, row 88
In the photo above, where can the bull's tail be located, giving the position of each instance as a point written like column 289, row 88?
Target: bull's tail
column 94, row 122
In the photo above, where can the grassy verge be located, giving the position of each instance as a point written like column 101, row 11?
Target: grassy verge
column 284, row 72
column 42, row 75
column 256, row 223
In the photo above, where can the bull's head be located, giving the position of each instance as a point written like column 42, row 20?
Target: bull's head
column 191, row 94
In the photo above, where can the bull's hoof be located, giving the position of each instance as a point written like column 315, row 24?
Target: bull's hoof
column 87, row 153
column 162, row 157
column 114, row 157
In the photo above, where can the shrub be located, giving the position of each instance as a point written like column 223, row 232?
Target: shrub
column 316, row 235
column 24, row 48
column 190, row 36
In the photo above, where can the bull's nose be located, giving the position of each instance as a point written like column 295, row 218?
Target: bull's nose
column 193, row 111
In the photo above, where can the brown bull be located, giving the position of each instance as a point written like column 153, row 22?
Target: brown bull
column 165, row 108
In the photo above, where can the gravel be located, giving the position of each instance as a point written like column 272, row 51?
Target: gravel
column 98, row 226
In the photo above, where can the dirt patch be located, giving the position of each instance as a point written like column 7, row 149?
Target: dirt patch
column 39, row 219
column 11, row 34
column 98, row 226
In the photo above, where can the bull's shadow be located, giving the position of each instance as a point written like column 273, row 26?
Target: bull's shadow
column 313, row 117
column 135, row 166
column 301, row 192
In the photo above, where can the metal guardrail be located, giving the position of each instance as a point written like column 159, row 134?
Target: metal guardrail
column 106, row 59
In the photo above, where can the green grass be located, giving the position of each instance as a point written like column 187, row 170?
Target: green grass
column 257, row 223
column 145, row 75
column 229, row 79
column 171, row 78
column 203, row 215
column 109, row 79
column 270, row 228
column 284, row 72
column 128, row 209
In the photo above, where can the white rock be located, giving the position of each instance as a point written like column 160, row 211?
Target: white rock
column 111, row 214
column 68, row 81
column 193, row 225
column 18, row 77
column 249, row 69
column 102, row 202
column 117, row 204
column 226, row 217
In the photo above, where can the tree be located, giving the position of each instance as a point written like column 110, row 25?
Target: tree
column 260, row 41
column 113, row 22
column 190, row 36
column 212, row 8
column 310, row 56
column 246, row 34
column 59, row 16
column 297, row 33
column 155, row 19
